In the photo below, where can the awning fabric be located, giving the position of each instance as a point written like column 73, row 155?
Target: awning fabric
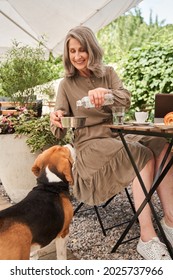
column 28, row 21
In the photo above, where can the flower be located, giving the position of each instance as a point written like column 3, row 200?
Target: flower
column 37, row 129
column 12, row 119
column 6, row 126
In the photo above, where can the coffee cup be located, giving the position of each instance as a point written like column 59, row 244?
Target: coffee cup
column 141, row 117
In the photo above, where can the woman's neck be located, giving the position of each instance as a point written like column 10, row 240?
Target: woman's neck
column 85, row 73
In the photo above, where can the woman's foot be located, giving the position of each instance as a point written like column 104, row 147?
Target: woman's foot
column 153, row 250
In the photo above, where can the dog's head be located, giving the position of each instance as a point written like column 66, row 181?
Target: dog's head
column 55, row 161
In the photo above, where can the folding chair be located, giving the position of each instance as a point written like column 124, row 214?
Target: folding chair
column 96, row 208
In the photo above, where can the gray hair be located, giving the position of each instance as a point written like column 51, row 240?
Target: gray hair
column 89, row 42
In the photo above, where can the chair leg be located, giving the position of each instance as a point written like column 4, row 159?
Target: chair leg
column 96, row 208
column 130, row 200
column 78, row 207
column 100, row 221
column 108, row 201
column 97, row 213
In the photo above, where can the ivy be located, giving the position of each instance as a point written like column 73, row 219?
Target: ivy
column 146, row 71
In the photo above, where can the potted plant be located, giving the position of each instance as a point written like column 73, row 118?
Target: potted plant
column 23, row 134
column 22, row 138
column 36, row 129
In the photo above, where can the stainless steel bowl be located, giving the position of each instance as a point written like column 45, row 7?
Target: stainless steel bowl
column 73, row 122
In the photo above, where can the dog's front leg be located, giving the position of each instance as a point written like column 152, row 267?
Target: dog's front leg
column 61, row 247
column 34, row 252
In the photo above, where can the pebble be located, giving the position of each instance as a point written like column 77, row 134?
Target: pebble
column 87, row 241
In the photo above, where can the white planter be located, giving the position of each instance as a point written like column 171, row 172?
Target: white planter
column 16, row 162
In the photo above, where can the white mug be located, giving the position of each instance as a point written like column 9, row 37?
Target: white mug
column 141, row 117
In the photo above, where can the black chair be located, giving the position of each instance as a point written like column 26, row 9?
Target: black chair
column 96, row 208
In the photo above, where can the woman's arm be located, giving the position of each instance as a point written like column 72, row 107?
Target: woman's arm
column 121, row 95
column 61, row 108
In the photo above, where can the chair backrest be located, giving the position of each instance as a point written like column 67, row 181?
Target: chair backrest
column 163, row 105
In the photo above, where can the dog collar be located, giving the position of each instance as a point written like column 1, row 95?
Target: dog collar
column 57, row 187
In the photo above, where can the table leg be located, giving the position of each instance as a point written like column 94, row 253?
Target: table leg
column 159, row 177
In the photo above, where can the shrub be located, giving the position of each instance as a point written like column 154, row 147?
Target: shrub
column 147, row 71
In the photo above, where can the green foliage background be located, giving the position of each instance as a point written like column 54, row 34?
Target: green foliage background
column 23, row 68
column 147, row 71
column 142, row 54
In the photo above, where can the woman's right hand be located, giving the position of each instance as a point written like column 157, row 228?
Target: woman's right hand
column 55, row 118
column 97, row 96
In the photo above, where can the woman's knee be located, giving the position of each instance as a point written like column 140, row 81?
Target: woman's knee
column 150, row 165
column 162, row 153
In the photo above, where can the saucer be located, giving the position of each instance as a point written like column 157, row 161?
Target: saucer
column 141, row 123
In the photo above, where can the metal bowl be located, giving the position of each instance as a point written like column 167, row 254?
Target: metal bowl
column 73, row 122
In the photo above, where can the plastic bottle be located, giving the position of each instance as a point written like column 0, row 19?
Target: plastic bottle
column 85, row 101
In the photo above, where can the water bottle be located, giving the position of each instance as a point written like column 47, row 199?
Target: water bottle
column 85, row 101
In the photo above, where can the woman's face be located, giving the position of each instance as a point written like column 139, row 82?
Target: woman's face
column 78, row 56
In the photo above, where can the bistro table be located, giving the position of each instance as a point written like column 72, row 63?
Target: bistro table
column 159, row 130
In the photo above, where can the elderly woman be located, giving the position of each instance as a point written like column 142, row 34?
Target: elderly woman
column 102, row 167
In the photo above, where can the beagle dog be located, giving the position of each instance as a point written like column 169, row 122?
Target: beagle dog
column 45, row 213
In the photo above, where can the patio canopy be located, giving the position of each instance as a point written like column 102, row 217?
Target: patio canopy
column 28, row 21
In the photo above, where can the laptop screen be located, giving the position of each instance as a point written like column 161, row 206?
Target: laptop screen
column 163, row 105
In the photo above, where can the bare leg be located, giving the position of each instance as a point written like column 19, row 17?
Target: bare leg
column 61, row 247
column 34, row 252
column 165, row 191
column 147, row 231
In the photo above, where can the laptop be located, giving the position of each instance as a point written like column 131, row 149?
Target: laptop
column 163, row 105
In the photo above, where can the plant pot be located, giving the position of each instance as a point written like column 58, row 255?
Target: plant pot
column 16, row 162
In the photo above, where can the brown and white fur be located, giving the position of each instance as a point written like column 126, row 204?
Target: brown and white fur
column 45, row 213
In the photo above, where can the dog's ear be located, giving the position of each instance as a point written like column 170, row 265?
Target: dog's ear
column 67, row 170
column 64, row 166
column 71, row 159
column 36, row 166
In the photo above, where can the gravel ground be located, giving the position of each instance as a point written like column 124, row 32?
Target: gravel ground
column 87, row 241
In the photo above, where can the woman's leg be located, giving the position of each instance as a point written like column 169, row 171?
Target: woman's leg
column 165, row 191
column 147, row 231
column 149, row 245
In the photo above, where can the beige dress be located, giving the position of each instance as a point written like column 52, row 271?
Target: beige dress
column 102, row 167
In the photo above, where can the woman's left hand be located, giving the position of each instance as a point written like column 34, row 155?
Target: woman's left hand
column 97, row 96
